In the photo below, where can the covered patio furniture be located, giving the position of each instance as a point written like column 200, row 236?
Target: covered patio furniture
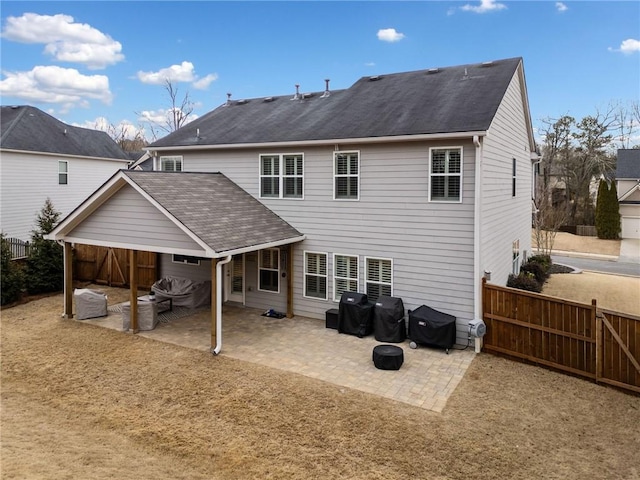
column 184, row 292
column 90, row 303
column 147, row 315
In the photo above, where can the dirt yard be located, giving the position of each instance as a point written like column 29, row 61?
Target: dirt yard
column 84, row 402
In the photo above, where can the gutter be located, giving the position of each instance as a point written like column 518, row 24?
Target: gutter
column 477, row 264
column 219, row 265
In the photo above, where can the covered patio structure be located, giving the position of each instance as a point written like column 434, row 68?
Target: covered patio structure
column 203, row 215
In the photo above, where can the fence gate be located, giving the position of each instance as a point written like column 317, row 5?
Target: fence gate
column 110, row 266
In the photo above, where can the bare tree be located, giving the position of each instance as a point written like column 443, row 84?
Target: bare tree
column 547, row 220
column 175, row 116
column 121, row 134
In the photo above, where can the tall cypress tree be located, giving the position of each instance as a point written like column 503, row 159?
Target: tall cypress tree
column 607, row 211
column 600, row 201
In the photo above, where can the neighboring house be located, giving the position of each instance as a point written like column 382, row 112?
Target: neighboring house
column 414, row 185
column 43, row 157
column 628, row 187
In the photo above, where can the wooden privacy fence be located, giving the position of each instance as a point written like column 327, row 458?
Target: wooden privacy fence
column 576, row 338
column 110, row 266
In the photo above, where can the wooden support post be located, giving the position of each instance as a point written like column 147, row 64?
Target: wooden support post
column 133, row 288
column 289, row 280
column 68, row 280
column 214, row 301
column 595, row 319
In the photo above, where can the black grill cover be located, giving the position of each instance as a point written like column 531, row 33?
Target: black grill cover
column 388, row 320
column 432, row 328
column 354, row 314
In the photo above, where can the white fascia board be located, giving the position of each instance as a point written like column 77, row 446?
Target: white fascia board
column 138, row 246
column 261, row 246
column 64, row 155
column 628, row 194
column 335, row 141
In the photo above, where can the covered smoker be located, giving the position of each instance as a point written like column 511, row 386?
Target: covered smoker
column 388, row 320
column 432, row 328
column 354, row 314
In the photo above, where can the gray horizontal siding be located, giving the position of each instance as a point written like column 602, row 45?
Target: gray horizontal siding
column 127, row 217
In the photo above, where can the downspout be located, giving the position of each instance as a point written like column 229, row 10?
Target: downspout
column 219, row 265
column 477, row 224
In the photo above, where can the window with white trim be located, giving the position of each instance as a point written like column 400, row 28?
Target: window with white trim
column 171, row 163
column 513, row 178
column 63, row 172
column 515, row 257
column 185, row 259
column 445, row 174
column 379, row 277
column 269, row 270
column 345, row 275
column 315, row 275
column 346, row 173
column 282, row 175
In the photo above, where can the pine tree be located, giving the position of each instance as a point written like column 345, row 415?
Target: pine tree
column 45, row 265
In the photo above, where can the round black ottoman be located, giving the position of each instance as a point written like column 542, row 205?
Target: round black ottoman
column 388, row 357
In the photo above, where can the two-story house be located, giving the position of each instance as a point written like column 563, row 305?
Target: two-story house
column 415, row 185
column 628, row 187
column 42, row 157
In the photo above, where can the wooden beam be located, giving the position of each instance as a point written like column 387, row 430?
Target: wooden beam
column 214, row 301
column 289, row 251
column 133, row 289
column 68, row 280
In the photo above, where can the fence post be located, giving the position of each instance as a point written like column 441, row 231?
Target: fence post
column 599, row 340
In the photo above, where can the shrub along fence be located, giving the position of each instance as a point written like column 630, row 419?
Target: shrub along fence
column 580, row 339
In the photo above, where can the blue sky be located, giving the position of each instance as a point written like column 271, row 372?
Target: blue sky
column 87, row 62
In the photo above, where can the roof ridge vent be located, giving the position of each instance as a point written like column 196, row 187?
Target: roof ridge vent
column 374, row 78
column 268, row 99
column 307, row 95
column 433, row 70
column 242, row 102
column 487, row 64
column 326, row 89
column 297, row 95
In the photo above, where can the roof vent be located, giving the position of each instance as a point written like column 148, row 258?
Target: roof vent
column 297, row 95
column 268, row 99
column 326, row 89
column 242, row 102
column 228, row 99
column 374, row 78
column 65, row 131
column 487, row 64
column 433, row 70
column 307, row 95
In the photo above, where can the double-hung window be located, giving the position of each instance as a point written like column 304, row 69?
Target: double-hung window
column 379, row 280
column 445, row 174
column 63, row 172
column 315, row 275
column 282, row 176
column 345, row 275
column 269, row 270
column 346, row 173
column 171, row 163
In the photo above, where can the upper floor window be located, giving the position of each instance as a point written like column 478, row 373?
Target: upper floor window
column 171, row 164
column 63, row 172
column 315, row 275
column 282, row 176
column 345, row 275
column 379, row 282
column 445, row 174
column 346, row 173
column 513, row 178
column 185, row 259
column 269, row 270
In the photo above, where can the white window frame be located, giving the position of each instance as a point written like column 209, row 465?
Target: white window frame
column 347, row 175
column 446, row 175
column 366, row 273
column 317, row 275
column 261, row 267
column 281, row 175
column 185, row 259
column 65, row 172
column 336, row 278
column 515, row 257
column 172, row 158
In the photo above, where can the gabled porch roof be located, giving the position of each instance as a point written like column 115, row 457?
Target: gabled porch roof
column 199, row 214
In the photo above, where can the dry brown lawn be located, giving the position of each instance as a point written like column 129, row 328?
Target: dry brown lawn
column 567, row 242
column 84, row 402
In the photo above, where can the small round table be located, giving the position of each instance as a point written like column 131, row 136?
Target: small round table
column 388, row 357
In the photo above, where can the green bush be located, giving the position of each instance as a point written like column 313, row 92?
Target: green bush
column 45, row 264
column 543, row 260
column 538, row 271
column 524, row 281
column 11, row 276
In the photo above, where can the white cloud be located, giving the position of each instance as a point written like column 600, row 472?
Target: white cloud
column 64, row 39
column 122, row 128
column 561, row 7
column 185, row 72
column 630, row 45
column 160, row 117
column 370, row 64
column 389, row 35
column 53, row 84
column 484, row 7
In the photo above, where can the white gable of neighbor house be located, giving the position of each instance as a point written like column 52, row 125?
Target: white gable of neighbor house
column 28, row 179
column 127, row 219
column 629, row 191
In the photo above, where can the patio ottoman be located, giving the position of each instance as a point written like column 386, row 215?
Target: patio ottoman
column 147, row 315
column 388, row 357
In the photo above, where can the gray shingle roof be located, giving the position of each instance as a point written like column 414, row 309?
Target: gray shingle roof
column 452, row 99
column 628, row 165
column 29, row 129
column 214, row 208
